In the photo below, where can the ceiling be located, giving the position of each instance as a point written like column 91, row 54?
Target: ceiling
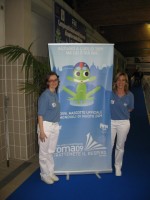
column 126, row 23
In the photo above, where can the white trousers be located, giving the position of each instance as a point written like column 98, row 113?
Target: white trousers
column 119, row 130
column 47, row 148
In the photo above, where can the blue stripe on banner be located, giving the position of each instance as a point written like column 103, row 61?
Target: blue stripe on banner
column 85, row 72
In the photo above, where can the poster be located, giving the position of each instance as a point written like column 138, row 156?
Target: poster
column 85, row 72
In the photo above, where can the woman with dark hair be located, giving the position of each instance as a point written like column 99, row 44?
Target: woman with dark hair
column 48, row 127
column 122, row 103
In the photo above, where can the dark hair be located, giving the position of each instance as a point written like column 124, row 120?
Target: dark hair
column 46, row 85
column 126, row 88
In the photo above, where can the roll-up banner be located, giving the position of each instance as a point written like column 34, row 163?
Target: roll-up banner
column 85, row 72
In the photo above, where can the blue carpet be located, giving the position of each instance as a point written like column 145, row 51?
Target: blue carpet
column 134, row 184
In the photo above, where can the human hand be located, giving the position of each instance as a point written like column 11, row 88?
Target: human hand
column 42, row 136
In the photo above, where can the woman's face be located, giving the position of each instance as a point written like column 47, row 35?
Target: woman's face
column 53, row 82
column 121, row 82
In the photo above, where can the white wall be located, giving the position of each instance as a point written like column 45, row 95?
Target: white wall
column 18, row 22
column 42, row 26
column 41, row 34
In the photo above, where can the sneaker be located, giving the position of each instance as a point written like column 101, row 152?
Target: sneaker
column 118, row 172
column 47, row 180
column 54, row 177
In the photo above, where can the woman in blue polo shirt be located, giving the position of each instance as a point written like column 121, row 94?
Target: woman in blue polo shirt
column 48, row 127
column 122, row 103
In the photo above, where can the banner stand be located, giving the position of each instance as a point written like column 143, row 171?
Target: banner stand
column 85, row 73
column 67, row 177
column 96, row 173
column 98, row 176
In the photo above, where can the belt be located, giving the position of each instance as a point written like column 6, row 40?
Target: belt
column 52, row 122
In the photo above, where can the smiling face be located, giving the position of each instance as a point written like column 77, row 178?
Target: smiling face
column 121, row 82
column 53, row 82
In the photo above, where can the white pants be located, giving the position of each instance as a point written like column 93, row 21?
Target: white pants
column 47, row 148
column 119, row 130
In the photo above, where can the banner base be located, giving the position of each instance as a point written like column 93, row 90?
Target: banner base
column 67, row 177
column 98, row 176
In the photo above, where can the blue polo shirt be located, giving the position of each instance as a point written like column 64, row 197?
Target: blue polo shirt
column 120, row 106
column 49, row 106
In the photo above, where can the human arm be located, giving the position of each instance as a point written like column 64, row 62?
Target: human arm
column 42, row 106
column 42, row 134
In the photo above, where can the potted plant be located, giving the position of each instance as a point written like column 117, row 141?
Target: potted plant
column 30, row 62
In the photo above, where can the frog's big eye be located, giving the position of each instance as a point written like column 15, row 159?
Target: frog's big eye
column 77, row 73
column 86, row 73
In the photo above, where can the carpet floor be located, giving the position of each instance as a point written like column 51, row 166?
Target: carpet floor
column 134, row 184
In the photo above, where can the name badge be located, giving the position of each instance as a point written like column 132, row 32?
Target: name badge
column 54, row 105
column 112, row 101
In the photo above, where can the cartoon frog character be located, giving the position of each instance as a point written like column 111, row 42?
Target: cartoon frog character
column 81, row 75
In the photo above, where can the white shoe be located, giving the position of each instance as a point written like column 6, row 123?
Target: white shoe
column 47, row 180
column 118, row 172
column 54, row 177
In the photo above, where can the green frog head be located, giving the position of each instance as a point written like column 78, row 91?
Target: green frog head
column 81, row 75
column 81, row 72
